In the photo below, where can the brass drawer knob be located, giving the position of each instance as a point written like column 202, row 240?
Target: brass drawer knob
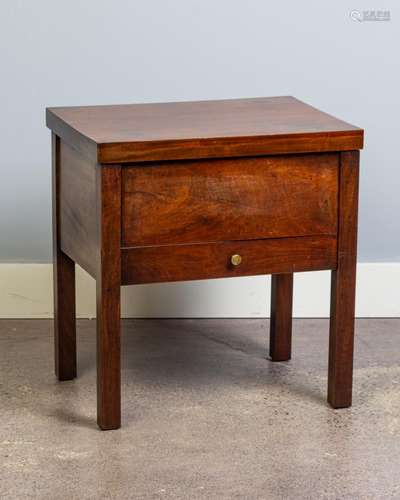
column 236, row 259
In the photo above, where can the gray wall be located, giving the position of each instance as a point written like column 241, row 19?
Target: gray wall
column 95, row 52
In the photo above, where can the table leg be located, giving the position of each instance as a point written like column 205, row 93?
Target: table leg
column 280, row 343
column 108, row 355
column 64, row 317
column 108, row 291
column 64, row 286
column 341, row 337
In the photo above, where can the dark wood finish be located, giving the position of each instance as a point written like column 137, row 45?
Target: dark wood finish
column 204, row 129
column 77, row 208
column 64, row 285
column 230, row 199
column 108, row 285
column 212, row 260
column 280, row 339
column 185, row 191
column 343, row 284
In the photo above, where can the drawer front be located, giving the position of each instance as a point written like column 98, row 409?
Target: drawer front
column 217, row 260
column 229, row 199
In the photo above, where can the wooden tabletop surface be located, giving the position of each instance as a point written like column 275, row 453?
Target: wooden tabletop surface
column 149, row 132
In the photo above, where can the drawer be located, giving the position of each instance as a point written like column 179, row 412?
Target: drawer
column 229, row 199
column 217, row 260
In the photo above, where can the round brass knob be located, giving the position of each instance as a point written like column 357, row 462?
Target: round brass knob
column 236, row 259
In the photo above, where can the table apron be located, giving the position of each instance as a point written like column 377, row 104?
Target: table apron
column 156, row 264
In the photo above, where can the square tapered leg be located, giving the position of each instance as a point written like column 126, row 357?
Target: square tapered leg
column 108, row 292
column 64, row 286
column 341, row 337
column 280, row 343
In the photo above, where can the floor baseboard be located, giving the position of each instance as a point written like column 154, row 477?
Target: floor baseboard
column 26, row 291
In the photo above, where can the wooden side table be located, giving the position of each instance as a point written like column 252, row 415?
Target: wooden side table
column 185, row 191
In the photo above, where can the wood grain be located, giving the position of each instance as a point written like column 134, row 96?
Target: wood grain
column 78, row 215
column 212, row 260
column 230, row 199
column 203, row 129
column 280, row 344
column 341, row 337
column 63, row 283
column 170, row 192
column 108, row 283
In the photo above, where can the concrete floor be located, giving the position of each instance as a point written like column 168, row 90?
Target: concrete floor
column 205, row 415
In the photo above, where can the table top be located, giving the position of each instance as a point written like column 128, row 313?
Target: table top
column 202, row 129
